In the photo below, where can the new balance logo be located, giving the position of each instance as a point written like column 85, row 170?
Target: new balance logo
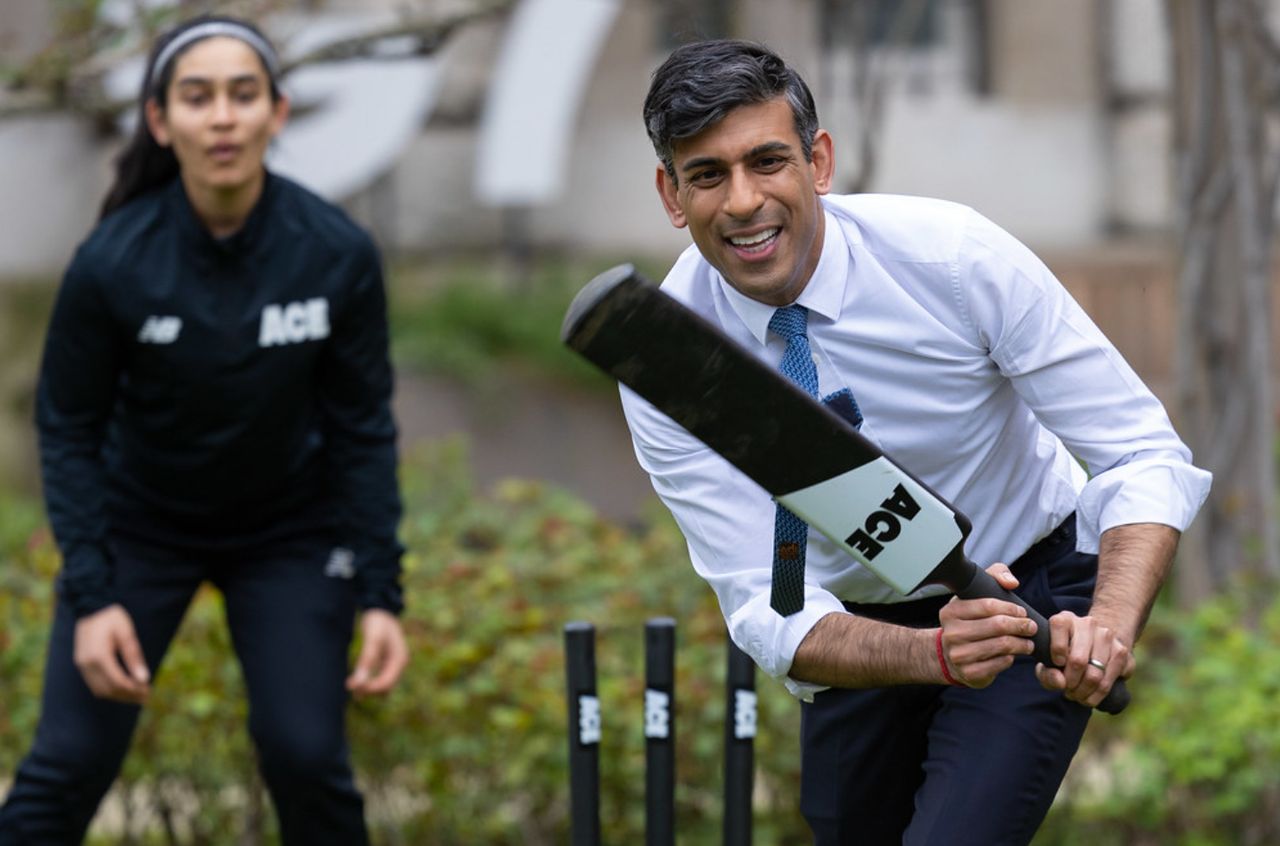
column 160, row 330
column 341, row 564
column 294, row 323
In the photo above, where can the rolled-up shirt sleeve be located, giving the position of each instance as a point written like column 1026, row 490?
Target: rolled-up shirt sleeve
column 1148, row 488
column 1080, row 387
column 727, row 521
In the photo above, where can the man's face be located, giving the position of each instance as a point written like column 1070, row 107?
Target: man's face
column 750, row 199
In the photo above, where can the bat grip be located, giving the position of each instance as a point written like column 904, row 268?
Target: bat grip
column 984, row 586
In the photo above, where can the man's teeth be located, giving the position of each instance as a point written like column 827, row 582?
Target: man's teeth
column 753, row 240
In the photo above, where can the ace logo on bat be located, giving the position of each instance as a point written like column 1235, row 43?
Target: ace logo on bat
column 882, row 517
column 884, row 523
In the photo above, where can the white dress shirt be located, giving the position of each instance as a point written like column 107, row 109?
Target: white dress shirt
column 974, row 369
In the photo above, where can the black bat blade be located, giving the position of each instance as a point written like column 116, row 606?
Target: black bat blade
column 806, row 456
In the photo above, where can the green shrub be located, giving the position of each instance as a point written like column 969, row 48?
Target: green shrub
column 27, row 564
column 471, row 747
column 468, row 318
column 1193, row 760
column 478, row 729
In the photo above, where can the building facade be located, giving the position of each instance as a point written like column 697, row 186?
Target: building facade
column 1048, row 117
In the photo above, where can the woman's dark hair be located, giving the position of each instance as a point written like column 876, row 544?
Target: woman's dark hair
column 700, row 83
column 144, row 165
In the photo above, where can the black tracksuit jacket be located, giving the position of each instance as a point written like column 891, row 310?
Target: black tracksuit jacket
column 217, row 394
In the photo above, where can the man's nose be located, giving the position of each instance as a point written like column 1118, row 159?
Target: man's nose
column 744, row 197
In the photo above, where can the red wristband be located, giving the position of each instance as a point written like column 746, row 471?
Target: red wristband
column 942, row 662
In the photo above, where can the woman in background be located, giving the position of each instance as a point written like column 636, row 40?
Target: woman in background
column 214, row 405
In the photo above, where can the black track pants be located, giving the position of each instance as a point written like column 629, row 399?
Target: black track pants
column 291, row 626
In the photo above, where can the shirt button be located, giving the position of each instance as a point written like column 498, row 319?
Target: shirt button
column 814, row 356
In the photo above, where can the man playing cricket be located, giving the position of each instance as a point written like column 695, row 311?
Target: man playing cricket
column 924, row 721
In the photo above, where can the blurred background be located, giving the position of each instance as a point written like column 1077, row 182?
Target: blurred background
column 496, row 152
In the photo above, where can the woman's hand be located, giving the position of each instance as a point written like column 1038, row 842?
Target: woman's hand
column 109, row 657
column 383, row 655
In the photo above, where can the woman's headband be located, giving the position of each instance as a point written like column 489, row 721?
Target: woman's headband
column 210, row 29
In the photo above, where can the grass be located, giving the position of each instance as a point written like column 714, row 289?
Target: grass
column 24, row 312
column 470, row 318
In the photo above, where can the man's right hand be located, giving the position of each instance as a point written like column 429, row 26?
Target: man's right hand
column 980, row 637
column 109, row 657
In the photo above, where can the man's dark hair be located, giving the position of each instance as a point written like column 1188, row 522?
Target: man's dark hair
column 700, row 83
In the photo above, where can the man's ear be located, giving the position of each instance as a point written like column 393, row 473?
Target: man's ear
column 669, row 192
column 823, row 161
column 155, row 122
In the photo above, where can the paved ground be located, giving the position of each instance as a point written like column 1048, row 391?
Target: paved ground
column 571, row 437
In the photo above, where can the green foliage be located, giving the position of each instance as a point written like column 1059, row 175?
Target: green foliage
column 478, row 728
column 24, row 311
column 468, row 318
column 1193, row 761
column 27, row 564
column 472, row 746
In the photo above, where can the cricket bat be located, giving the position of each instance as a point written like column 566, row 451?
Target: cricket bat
column 806, row 456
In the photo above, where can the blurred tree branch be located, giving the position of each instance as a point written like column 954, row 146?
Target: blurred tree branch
column 67, row 75
column 871, row 80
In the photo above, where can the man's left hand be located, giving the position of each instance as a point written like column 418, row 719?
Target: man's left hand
column 1090, row 656
column 383, row 654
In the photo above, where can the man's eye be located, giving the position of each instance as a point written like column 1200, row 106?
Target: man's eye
column 770, row 162
column 705, row 177
column 195, row 98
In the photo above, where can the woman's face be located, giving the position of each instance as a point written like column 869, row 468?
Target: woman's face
column 218, row 115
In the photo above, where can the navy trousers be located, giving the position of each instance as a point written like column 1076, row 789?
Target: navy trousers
column 948, row 766
column 291, row 626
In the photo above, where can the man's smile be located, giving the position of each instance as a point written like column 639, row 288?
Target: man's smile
column 755, row 245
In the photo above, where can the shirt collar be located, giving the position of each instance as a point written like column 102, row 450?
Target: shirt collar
column 823, row 295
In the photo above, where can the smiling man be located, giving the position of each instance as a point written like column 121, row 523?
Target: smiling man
column 924, row 721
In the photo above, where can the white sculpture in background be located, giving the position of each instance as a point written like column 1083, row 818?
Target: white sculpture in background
column 548, row 54
column 352, row 120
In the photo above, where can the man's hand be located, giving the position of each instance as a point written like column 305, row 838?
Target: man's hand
column 383, row 655
column 1133, row 562
column 1091, row 657
column 109, row 657
column 980, row 637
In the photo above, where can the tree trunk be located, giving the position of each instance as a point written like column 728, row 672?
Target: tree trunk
column 1225, row 196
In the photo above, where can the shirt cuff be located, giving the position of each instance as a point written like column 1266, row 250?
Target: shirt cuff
column 387, row 597
column 772, row 640
column 85, row 580
column 378, row 580
column 1167, row 491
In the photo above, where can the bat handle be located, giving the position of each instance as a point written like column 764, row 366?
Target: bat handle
column 984, row 586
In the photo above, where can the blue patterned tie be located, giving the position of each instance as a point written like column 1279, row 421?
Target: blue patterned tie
column 790, row 533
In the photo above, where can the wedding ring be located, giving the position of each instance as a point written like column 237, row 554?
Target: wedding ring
column 1094, row 662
